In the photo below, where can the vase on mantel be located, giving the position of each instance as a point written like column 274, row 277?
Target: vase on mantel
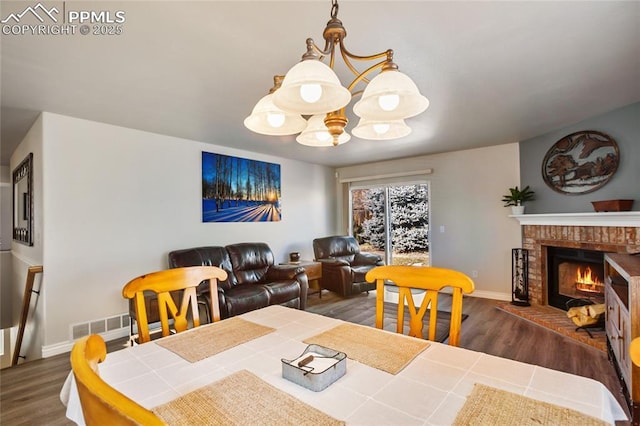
column 517, row 210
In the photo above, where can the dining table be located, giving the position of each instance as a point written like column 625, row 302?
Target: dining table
column 433, row 386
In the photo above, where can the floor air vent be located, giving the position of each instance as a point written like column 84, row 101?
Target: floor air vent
column 100, row 326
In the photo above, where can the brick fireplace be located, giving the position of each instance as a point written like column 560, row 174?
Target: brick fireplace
column 606, row 232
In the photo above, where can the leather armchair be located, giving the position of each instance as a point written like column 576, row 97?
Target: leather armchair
column 254, row 280
column 344, row 266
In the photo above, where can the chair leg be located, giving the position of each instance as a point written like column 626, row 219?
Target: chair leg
column 206, row 310
column 132, row 336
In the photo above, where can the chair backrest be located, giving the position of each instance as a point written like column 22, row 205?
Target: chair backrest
column 163, row 283
column 250, row 261
column 338, row 246
column 102, row 404
column 430, row 279
column 205, row 256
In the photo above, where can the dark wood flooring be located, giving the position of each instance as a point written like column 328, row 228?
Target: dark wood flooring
column 29, row 392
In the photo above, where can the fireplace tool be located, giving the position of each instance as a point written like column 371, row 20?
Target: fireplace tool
column 520, row 277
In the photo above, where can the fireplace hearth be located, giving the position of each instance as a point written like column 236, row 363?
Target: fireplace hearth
column 598, row 232
column 574, row 274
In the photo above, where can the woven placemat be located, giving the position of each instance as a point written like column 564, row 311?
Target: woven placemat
column 489, row 406
column 378, row 349
column 211, row 339
column 241, row 399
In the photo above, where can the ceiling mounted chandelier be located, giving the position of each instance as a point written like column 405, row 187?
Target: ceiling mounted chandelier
column 311, row 88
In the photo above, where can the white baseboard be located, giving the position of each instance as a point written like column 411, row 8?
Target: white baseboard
column 63, row 347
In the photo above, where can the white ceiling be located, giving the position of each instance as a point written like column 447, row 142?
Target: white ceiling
column 494, row 72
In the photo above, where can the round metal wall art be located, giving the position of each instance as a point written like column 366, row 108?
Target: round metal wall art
column 581, row 162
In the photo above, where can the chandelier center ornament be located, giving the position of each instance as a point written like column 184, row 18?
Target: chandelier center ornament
column 312, row 89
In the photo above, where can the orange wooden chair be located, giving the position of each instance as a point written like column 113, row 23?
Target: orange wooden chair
column 102, row 404
column 634, row 351
column 166, row 284
column 430, row 279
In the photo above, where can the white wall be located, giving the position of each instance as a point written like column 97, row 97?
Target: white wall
column 117, row 200
column 466, row 189
column 24, row 256
column 6, row 235
column 6, row 204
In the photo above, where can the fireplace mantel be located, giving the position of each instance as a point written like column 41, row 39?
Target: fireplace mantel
column 610, row 232
column 624, row 219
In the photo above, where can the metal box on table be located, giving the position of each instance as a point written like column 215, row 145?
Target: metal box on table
column 315, row 380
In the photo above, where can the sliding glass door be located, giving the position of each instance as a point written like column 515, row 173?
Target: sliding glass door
column 392, row 220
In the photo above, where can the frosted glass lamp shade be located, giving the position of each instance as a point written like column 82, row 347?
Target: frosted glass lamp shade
column 391, row 95
column 268, row 119
column 317, row 83
column 381, row 130
column 316, row 133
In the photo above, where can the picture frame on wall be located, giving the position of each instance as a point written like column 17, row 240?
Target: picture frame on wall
column 236, row 189
column 22, row 178
column 581, row 162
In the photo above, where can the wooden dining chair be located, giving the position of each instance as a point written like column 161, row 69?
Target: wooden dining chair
column 166, row 285
column 430, row 279
column 102, row 404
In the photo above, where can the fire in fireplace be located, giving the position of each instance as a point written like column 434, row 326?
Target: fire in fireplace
column 587, row 282
column 574, row 274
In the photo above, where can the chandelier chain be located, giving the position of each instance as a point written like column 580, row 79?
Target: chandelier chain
column 334, row 9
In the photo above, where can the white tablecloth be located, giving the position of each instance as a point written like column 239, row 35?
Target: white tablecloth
column 430, row 390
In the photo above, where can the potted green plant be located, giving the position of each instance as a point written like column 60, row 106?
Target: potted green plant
column 516, row 197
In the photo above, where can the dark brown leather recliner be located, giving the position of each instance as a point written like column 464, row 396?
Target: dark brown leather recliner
column 344, row 265
column 254, row 280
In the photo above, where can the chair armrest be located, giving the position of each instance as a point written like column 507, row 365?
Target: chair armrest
column 331, row 262
column 364, row 258
column 293, row 273
column 283, row 272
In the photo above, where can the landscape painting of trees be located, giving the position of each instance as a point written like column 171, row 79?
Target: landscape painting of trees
column 239, row 190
